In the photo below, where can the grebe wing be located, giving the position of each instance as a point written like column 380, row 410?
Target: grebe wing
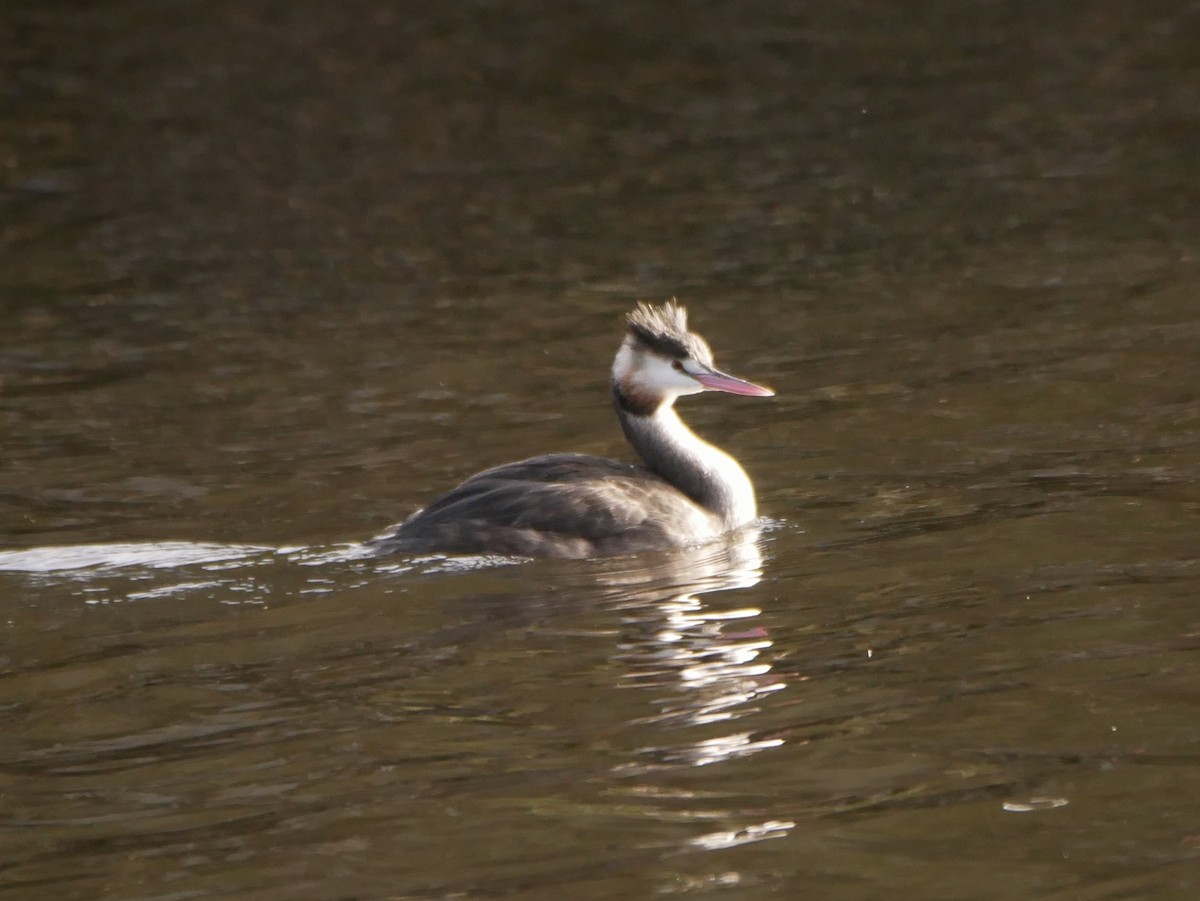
column 561, row 504
column 560, row 472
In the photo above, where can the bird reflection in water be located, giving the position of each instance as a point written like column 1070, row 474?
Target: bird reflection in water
column 709, row 661
column 708, row 665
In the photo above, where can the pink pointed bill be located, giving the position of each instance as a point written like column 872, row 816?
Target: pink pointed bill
column 719, row 381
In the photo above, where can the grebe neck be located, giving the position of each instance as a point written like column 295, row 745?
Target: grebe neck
column 703, row 472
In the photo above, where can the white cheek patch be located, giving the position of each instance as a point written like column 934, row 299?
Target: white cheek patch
column 623, row 365
column 650, row 377
column 657, row 374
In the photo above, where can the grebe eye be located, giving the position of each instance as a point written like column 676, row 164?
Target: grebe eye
column 677, row 365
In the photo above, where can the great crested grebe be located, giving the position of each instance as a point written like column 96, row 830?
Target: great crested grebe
column 578, row 505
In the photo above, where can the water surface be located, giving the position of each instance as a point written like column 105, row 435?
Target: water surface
column 274, row 276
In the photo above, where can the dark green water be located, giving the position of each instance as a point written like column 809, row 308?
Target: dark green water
column 274, row 274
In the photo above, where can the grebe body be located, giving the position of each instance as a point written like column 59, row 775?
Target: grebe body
column 686, row 491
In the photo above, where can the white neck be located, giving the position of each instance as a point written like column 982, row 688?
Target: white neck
column 705, row 473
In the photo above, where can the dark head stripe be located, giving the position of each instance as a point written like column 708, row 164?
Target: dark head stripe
column 666, row 344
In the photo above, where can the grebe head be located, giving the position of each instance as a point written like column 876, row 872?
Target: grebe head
column 661, row 360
